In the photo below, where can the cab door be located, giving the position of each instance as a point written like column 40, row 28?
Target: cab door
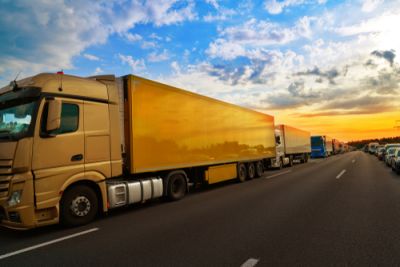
column 59, row 155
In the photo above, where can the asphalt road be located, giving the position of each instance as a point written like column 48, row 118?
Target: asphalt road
column 344, row 210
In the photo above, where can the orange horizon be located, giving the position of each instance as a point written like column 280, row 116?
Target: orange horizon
column 346, row 128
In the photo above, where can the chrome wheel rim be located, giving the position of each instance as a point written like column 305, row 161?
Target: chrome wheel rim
column 80, row 206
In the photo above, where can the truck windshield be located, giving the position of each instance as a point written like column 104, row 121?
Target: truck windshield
column 15, row 120
column 316, row 141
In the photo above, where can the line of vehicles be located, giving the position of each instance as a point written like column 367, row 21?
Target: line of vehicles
column 388, row 153
column 324, row 146
column 73, row 147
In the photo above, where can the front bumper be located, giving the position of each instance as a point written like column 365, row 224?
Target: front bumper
column 318, row 154
column 24, row 215
column 19, row 218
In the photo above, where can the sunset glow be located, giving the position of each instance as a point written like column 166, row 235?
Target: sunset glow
column 330, row 67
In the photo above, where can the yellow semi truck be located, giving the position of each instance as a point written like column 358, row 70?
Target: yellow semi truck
column 71, row 147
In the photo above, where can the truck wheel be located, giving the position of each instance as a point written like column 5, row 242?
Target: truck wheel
column 78, row 206
column 251, row 171
column 259, row 169
column 280, row 164
column 291, row 161
column 305, row 158
column 242, row 173
column 176, row 186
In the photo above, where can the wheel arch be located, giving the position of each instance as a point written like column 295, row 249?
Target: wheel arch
column 93, row 180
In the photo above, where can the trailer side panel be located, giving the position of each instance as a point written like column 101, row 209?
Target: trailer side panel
column 171, row 128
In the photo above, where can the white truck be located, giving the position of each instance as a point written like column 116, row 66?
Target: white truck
column 291, row 144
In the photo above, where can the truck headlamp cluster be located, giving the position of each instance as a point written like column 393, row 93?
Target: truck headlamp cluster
column 15, row 198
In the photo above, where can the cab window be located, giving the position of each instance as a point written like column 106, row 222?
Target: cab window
column 69, row 119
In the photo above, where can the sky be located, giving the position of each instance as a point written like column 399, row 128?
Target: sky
column 329, row 67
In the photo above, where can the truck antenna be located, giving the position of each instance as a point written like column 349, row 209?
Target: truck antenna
column 13, row 83
column 61, row 73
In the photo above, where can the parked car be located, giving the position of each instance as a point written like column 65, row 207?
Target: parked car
column 378, row 148
column 372, row 147
column 387, row 146
column 389, row 155
column 381, row 153
column 396, row 161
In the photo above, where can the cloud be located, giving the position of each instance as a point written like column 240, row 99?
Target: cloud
column 276, row 7
column 135, row 65
column 148, row 45
column 370, row 5
column 237, row 41
column 221, row 15
column 329, row 74
column 132, row 37
column 175, row 67
column 387, row 55
column 154, row 57
column 53, row 33
column 344, row 113
column 159, row 13
column 98, row 71
column 91, row 57
column 370, row 63
column 297, row 89
column 385, row 83
column 214, row 3
column 260, row 66
column 155, row 36
column 382, row 23
column 48, row 34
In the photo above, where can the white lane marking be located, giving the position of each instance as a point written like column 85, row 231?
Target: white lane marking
column 353, row 161
column 277, row 174
column 250, row 263
column 47, row 243
column 340, row 174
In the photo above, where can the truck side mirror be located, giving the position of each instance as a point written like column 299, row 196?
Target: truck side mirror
column 53, row 115
column 278, row 139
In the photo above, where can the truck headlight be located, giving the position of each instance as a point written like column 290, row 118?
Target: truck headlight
column 15, row 198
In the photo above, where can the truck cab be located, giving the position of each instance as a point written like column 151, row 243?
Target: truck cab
column 55, row 135
column 318, row 147
column 280, row 160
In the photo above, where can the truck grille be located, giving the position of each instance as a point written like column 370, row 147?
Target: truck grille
column 4, row 185
column 5, row 176
column 5, row 167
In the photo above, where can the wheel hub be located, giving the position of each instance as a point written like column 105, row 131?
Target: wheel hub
column 80, row 206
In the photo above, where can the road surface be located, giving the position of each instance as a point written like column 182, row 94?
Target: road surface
column 344, row 210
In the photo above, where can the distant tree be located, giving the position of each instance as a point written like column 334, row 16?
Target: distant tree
column 387, row 140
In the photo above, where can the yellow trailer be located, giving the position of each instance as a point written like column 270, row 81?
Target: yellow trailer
column 170, row 128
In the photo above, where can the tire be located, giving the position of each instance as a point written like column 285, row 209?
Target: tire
column 259, row 169
column 305, row 158
column 251, row 171
column 177, row 187
column 280, row 164
column 291, row 161
column 242, row 172
column 79, row 206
